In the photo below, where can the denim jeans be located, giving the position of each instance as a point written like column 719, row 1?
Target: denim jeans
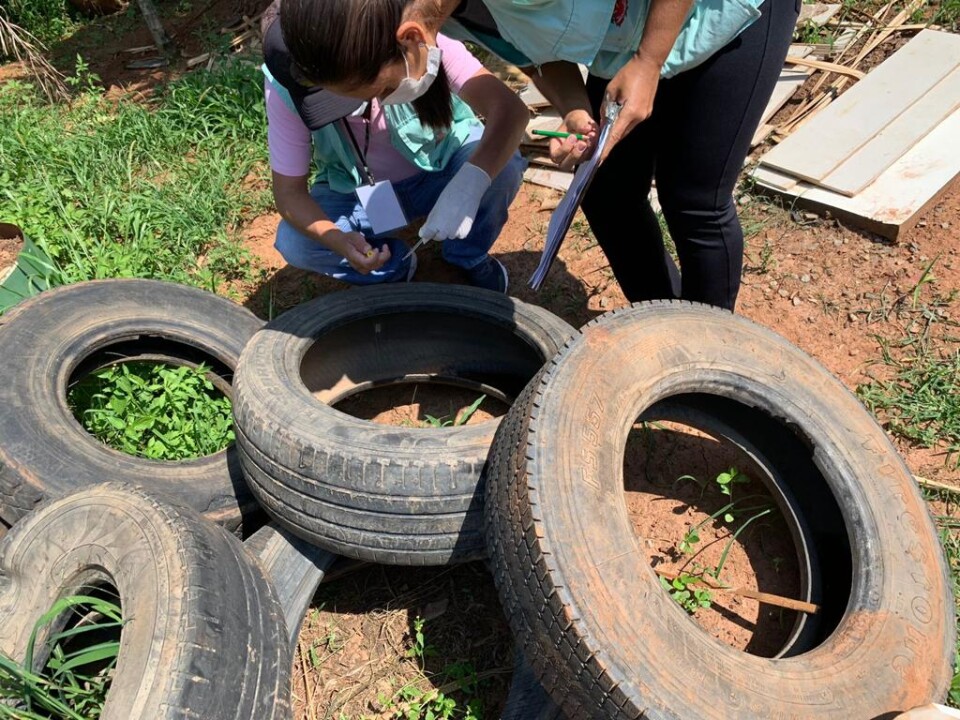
column 417, row 195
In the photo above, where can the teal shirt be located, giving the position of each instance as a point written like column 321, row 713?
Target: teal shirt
column 604, row 34
column 428, row 150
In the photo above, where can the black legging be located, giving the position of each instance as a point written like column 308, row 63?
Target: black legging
column 695, row 143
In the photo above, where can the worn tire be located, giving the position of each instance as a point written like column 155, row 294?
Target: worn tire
column 203, row 633
column 294, row 567
column 377, row 492
column 65, row 333
column 585, row 605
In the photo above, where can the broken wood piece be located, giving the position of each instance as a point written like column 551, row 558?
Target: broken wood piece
column 554, row 179
column 140, row 49
column 826, row 66
column 242, row 37
column 787, row 84
column 935, row 485
column 818, row 14
column 192, row 62
column 763, row 597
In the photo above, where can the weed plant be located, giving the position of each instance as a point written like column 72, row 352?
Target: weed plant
column 154, row 411
column 113, row 187
column 412, row 702
column 921, row 402
column 80, row 659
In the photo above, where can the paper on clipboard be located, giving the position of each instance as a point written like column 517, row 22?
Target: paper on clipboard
column 563, row 215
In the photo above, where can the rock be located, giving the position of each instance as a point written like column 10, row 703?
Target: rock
column 804, row 278
column 852, row 317
column 783, row 293
column 797, row 301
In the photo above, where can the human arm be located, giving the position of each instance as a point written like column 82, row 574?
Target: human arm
column 635, row 84
column 505, row 117
column 290, row 148
column 562, row 85
column 297, row 207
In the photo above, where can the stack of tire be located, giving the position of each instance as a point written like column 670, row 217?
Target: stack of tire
column 538, row 494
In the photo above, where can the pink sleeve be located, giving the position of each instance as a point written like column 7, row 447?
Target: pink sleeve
column 287, row 136
column 459, row 63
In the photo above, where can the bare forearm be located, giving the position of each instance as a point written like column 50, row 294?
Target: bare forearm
column 505, row 117
column 664, row 21
column 562, row 85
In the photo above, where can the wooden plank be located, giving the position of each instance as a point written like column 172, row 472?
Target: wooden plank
column 774, row 179
column 865, row 165
column 821, row 145
column 555, row 179
column 893, row 203
column 827, row 67
column 787, row 84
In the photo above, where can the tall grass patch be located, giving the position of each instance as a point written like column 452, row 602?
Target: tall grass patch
column 122, row 188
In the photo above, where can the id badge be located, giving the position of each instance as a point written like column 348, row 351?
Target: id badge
column 380, row 203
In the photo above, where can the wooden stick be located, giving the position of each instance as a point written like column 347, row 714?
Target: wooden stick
column 826, row 67
column 159, row 35
column 766, row 598
column 140, row 49
column 934, row 485
column 198, row 59
column 306, row 681
column 242, row 37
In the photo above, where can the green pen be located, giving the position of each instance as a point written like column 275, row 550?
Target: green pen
column 556, row 134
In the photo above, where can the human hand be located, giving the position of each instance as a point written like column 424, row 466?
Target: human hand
column 453, row 214
column 634, row 87
column 362, row 256
column 569, row 152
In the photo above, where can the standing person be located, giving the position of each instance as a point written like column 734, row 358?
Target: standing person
column 406, row 104
column 693, row 77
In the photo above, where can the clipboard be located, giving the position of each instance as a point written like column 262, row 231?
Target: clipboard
column 562, row 216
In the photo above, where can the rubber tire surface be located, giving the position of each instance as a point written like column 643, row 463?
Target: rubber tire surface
column 382, row 493
column 295, row 569
column 582, row 600
column 203, row 633
column 45, row 452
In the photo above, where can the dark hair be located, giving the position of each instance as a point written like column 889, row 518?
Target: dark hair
column 347, row 42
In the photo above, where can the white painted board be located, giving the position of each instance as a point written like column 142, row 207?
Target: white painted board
column 894, row 201
column 866, row 164
column 830, row 137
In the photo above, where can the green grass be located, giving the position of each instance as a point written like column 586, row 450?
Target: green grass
column 116, row 188
column 412, row 702
column 79, row 662
column 46, row 20
column 947, row 15
column 159, row 412
column 921, row 402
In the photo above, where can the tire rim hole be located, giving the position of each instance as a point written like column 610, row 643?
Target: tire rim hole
column 385, row 352
column 84, row 628
column 702, row 498
column 146, row 406
column 419, row 402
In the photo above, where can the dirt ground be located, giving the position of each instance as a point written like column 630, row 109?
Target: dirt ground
column 835, row 292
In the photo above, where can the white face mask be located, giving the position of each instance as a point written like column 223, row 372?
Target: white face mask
column 409, row 89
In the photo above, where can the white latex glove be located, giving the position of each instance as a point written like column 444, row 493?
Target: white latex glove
column 452, row 215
